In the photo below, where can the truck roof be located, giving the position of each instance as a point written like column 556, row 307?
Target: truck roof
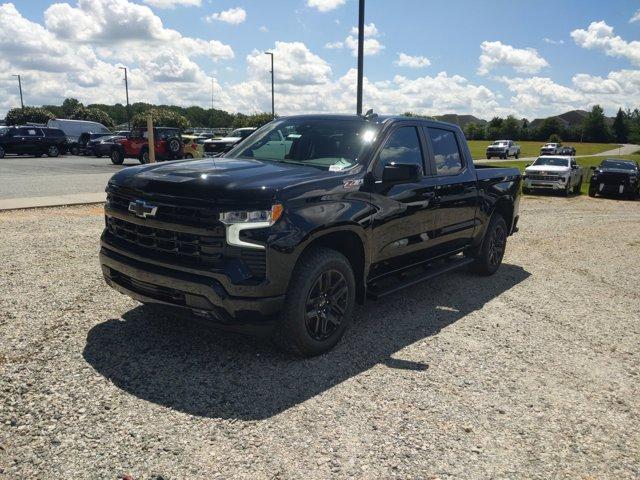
column 378, row 119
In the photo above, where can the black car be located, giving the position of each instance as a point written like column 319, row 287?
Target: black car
column 104, row 145
column 88, row 141
column 618, row 177
column 308, row 216
column 568, row 151
column 32, row 140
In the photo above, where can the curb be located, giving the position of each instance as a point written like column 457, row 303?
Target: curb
column 54, row 201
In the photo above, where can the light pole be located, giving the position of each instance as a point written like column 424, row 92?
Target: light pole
column 273, row 108
column 360, row 57
column 20, row 87
column 126, row 88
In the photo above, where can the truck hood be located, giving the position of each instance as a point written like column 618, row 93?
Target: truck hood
column 221, row 180
column 224, row 140
column 616, row 170
column 546, row 168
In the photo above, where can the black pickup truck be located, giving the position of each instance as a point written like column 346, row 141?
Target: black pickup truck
column 307, row 216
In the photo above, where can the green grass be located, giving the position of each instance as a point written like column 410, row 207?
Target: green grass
column 532, row 149
column 587, row 163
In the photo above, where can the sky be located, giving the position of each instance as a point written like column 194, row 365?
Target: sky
column 485, row 58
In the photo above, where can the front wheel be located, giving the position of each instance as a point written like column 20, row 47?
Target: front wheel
column 116, row 157
column 592, row 191
column 318, row 305
column 144, row 156
column 74, row 150
column 2, row 152
column 517, row 155
column 489, row 258
column 53, row 151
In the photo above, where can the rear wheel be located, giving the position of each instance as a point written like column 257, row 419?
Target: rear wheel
column 318, row 305
column 592, row 191
column 517, row 155
column 74, row 150
column 489, row 257
column 116, row 157
column 173, row 147
column 144, row 156
column 2, row 152
column 53, row 151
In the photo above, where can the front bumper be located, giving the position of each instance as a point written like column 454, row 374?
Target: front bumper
column 544, row 184
column 206, row 296
column 620, row 188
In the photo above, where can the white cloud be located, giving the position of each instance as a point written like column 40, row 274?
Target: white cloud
column 552, row 42
column 263, row 29
column 370, row 30
column 334, row 45
column 537, row 96
column 173, row 3
column 410, row 61
column 497, row 54
column 233, row 16
column 636, row 17
column 618, row 89
column 371, row 46
column 325, row 5
column 599, row 36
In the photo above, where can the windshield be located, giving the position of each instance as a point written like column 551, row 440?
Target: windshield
column 323, row 143
column 618, row 164
column 552, row 161
column 499, row 143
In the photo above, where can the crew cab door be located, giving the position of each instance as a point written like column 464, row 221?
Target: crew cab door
column 404, row 223
column 456, row 189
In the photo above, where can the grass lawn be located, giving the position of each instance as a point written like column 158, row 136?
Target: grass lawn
column 532, row 149
column 587, row 163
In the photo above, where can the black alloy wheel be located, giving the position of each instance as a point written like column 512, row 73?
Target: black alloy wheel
column 497, row 244
column 326, row 305
column 53, row 151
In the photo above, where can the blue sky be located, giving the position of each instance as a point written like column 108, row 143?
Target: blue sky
column 534, row 65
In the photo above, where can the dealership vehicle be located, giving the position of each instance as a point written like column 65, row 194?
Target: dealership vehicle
column 87, row 142
column 550, row 149
column 31, row 140
column 567, row 151
column 217, row 146
column 553, row 173
column 104, row 145
column 191, row 148
column 503, row 149
column 74, row 128
column 168, row 145
column 615, row 176
column 288, row 239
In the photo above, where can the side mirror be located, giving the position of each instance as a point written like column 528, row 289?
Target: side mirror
column 401, row 173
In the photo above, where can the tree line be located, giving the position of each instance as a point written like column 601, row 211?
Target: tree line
column 112, row 115
column 594, row 128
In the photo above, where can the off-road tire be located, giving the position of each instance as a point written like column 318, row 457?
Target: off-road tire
column 291, row 333
column 116, row 157
column 484, row 263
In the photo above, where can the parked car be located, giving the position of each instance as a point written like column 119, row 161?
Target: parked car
column 168, row 145
column 615, row 176
column 30, row 140
column 218, row 146
column 74, row 128
column 88, row 141
column 503, row 149
column 191, row 148
column 553, row 173
column 353, row 206
column 104, row 145
column 569, row 151
column 550, row 149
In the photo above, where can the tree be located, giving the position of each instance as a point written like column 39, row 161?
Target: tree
column 92, row 115
column 254, row 120
column 494, row 128
column 525, row 134
column 21, row 116
column 549, row 126
column 69, row 107
column 162, row 117
column 621, row 127
column 510, row 128
column 555, row 138
column 634, row 126
column 594, row 126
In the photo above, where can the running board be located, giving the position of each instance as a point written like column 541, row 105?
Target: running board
column 385, row 287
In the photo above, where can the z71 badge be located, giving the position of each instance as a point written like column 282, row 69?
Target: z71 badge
column 352, row 183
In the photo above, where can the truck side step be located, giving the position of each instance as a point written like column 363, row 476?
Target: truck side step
column 381, row 288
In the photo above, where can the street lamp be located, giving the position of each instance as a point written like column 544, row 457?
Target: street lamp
column 360, row 57
column 126, row 87
column 20, row 87
column 273, row 108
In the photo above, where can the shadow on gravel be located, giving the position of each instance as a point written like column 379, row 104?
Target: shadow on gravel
column 161, row 356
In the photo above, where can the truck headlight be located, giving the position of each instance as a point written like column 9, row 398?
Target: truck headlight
column 239, row 220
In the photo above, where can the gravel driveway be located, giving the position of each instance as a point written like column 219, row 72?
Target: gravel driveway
column 531, row 374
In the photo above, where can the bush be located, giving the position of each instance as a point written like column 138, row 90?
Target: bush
column 555, row 138
column 21, row 116
column 161, row 118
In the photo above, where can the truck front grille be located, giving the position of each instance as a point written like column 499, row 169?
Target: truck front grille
column 549, row 178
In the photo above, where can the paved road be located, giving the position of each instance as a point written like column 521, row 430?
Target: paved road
column 22, row 177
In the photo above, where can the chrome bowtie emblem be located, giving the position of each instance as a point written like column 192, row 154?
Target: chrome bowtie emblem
column 142, row 209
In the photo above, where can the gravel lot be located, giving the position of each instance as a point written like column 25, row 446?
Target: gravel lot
column 531, row 374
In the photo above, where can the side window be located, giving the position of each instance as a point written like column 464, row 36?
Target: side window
column 445, row 151
column 30, row 132
column 402, row 147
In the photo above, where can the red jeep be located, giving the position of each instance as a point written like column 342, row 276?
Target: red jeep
column 168, row 145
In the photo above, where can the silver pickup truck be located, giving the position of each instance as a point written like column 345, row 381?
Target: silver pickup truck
column 503, row 149
column 551, row 149
column 560, row 174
